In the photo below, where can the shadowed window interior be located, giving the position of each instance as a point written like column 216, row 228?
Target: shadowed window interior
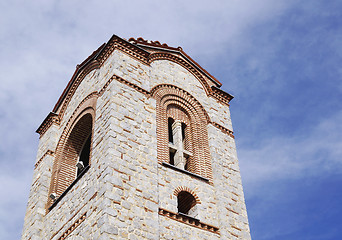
column 186, row 201
column 84, row 156
column 179, row 144
column 73, row 159
column 170, row 122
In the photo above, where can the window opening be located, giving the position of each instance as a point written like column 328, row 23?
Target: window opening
column 183, row 133
column 84, row 156
column 187, row 162
column 172, row 157
column 186, row 201
column 179, row 156
column 170, row 122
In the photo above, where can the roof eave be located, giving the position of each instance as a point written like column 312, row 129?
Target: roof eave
column 180, row 51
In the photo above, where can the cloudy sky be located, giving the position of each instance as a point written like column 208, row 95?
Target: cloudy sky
column 281, row 59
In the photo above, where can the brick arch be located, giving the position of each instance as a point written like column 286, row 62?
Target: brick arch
column 186, row 189
column 78, row 77
column 77, row 130
column 169, row 95
column 175, row 111
column 185, row 64
column 161, row 90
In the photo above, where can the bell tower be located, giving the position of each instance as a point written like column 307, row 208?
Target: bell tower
column 139, row 146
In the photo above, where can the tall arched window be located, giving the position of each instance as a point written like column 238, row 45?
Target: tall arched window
column 73, row 153
column 182, row 131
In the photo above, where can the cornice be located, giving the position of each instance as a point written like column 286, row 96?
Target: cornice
column 189, row 220
column 52, row 118
column 138, row 49
column 223, row 129
column 118, row 43
column 157, row 46
column 94, row 64
column 212, row 91
column 73, row 226
column 220, row 95
column 48, row 152
column 83, row 67
column 143, row 42
column 183, row 63
column 124, row 81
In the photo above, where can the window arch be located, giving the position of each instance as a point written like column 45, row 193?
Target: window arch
column 73, row 153
column 76, row 152
column 187, row 201
column 182, row 134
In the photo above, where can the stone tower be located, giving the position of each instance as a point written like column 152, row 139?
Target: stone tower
column 139, row 146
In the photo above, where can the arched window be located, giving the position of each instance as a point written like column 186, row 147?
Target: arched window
column 182, row 131
column 73, row 154
column 180, row 139
column 76, row 153
column 185, row 201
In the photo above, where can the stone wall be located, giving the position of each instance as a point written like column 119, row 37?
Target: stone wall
column 122, row 193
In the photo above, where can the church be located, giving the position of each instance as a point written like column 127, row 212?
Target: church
column 139, row 145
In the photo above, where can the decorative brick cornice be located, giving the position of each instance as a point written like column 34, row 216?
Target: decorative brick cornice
column 223, row 129
column 138, row 49
column 73, row 226
column 220, row 95
column 48, row 152
column 118, row 43
column 52, row 118
column 91, row 60
column 157, row 46
column 144, row 42
column 124, row 81
column 183, row 63
column 91, row 66
column 188, row 220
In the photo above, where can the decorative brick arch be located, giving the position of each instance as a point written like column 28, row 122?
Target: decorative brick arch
column 173, row 58
column 140, row 50
column 77, row 130
column 171, row 97
column 186, row 189
column 79, row 77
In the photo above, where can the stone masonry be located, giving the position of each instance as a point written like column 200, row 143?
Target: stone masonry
column 126, row 91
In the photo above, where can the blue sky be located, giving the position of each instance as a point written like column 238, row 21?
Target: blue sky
column 280, row 59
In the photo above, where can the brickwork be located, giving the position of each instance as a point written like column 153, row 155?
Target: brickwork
column 123, row 95
column 77, row 130
column 168, row 95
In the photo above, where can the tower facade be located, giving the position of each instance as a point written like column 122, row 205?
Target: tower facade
column 139, row 146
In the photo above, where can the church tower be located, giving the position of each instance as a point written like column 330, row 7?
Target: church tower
column 139, row 146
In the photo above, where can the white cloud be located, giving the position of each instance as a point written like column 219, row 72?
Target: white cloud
column 42, row 41
column 314, row 154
